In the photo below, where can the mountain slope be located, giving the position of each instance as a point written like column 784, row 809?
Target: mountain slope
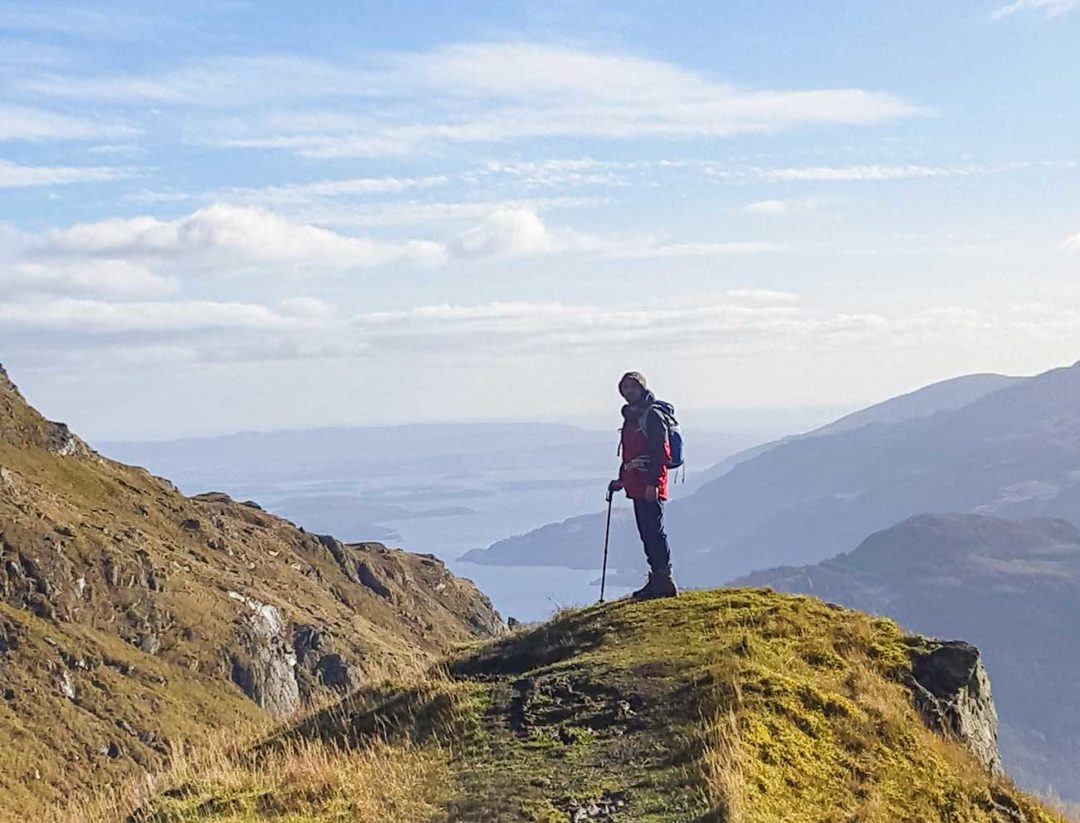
column 1013, row 452
column 1012, row 587
column 738, row 705
column 944, row 395
column 133, row 619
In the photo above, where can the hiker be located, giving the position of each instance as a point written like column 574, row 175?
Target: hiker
column 646, row 454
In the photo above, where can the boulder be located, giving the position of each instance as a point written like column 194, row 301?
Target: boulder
column 952, row 693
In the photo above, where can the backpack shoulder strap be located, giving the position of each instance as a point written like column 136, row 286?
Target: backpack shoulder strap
column 666, row 412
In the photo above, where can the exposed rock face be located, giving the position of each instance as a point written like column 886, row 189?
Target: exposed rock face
column 133, row 615
column 952, row 693
column 320, row 664
column 265, row 665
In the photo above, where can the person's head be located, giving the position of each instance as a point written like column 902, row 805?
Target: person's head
column 632, row 387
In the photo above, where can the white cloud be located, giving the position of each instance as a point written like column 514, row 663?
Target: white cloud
column 12, row 175
column 518, row 326
column 147, row 257
column 1050, row 8
column 97, row 317
column 309, row 328
column 657, row 95
column 1072, row 243
column 308, row 307
column 648, row 248
column 112, row 278
column 220, row 235
column 566, row 172
column 779, row 208
column 767, row 207
column 872, row 172
column 299, row 193
column 24, row 123
column 102, row 334
column 473, row 93
column 406, row 212
column 519, row 231
column 833, row 174
column 509, row 231
column 762, row 296
column 216, row 83
column 350, row 186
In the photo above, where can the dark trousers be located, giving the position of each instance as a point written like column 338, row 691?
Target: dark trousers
column 650, row 525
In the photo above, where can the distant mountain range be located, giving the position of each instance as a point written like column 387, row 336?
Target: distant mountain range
column 804, row 497
column 442, row 488
column 1012, row 587
column 985, row 443
column 921, row 403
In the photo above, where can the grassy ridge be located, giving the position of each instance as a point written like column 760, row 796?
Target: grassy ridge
column 733, row 705
column 132, row 616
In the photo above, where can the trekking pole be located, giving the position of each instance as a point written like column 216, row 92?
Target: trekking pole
column 607, row 533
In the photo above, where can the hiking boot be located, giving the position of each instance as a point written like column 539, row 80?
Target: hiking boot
column 660, row 584
column 641, row 594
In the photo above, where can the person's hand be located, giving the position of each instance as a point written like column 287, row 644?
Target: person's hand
column 614, row 486
column 651, row 494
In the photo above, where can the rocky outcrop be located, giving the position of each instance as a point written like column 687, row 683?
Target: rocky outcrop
column 264, row 666
column 9, row 636
column 951, row 690
column 280, row 668
column 368, row 578
column 320, row 663
column 1009, row 587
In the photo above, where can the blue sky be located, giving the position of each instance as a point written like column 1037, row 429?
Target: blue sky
column 245, row 215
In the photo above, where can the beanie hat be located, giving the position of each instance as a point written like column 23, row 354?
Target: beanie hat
column 637, row 377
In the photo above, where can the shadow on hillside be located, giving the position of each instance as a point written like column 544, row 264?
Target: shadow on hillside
column 570, row 634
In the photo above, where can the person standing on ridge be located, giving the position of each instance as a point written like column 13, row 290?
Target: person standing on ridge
column 646, row 453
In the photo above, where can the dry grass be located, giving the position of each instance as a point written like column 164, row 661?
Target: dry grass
column 723, row 768
column 234, row 776
column 116, row 802
column 302, row 782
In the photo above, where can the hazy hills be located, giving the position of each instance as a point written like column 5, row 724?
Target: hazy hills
column 1013, row 451
column 442, row 488
column 133, row 619
column 921, row 403
column 946, row 395
column 1011, row 587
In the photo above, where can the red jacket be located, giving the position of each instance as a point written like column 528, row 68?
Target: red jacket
column 645, row 451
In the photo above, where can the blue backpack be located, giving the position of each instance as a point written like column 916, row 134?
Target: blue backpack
column 667, row 414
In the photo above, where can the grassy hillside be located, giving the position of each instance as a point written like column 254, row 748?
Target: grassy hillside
column 734, row 705
column 1012, row 587
column 135, row 620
